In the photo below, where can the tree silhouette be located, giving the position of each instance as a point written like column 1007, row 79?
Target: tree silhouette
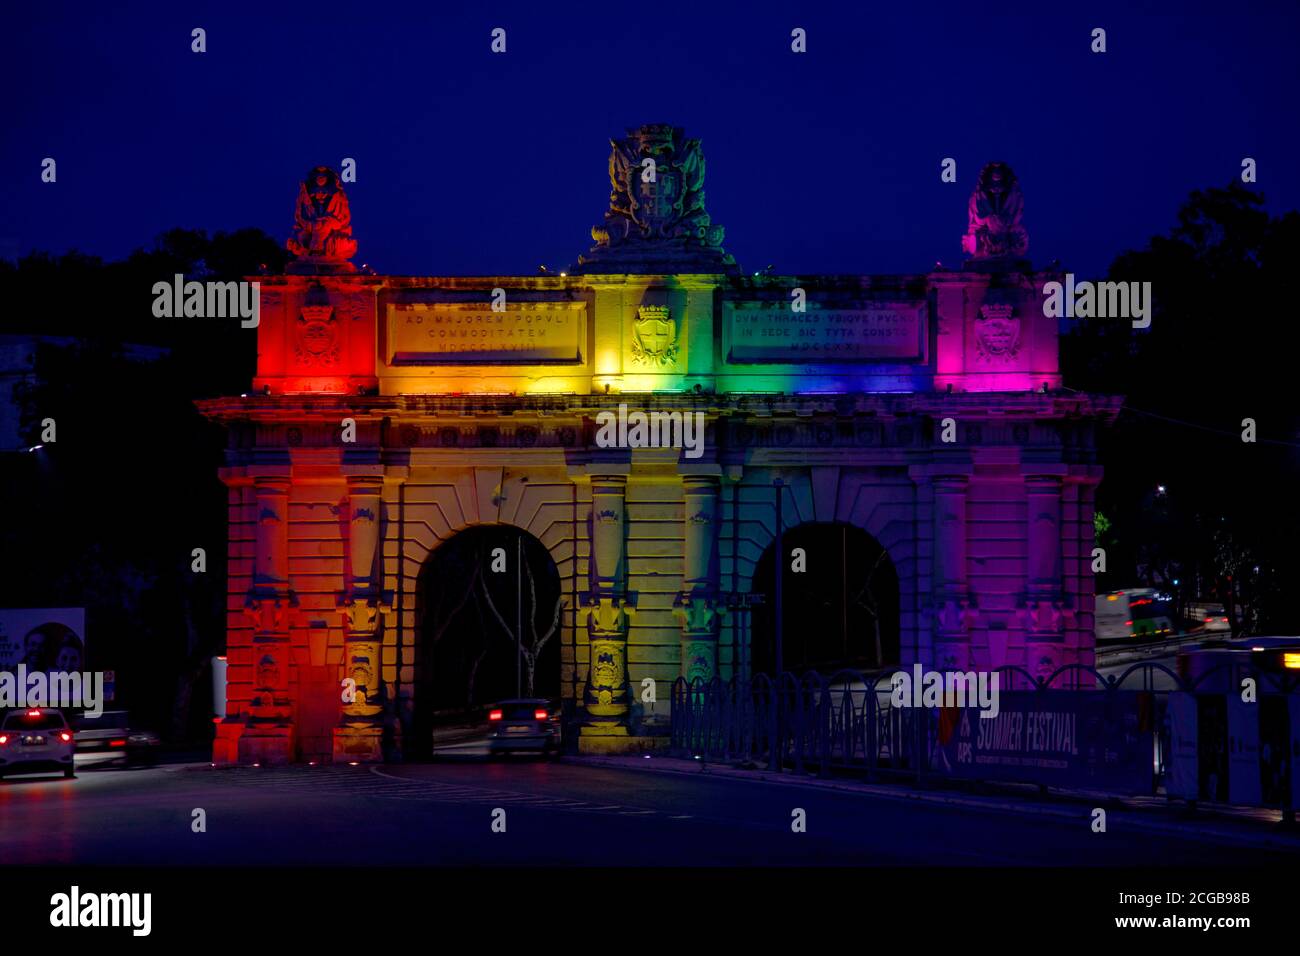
column 531, row 650
column 1213, row 357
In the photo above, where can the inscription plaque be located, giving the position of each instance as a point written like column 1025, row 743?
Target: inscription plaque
column 865, row 332
column 456, row 334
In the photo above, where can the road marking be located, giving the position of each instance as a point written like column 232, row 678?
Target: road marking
column 346, row 781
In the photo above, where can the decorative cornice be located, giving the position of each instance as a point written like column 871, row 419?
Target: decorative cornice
column 965, row 406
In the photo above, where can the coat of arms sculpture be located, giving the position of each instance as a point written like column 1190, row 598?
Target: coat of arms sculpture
column 997, row 332
column 656, row 221
column 654, row 337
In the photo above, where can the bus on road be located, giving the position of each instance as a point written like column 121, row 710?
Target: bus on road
column 1134, row 614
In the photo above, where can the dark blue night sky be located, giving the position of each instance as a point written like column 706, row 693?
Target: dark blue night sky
column 474, row 163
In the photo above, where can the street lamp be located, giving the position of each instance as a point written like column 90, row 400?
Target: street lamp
column 779, row 486
column 519, row 614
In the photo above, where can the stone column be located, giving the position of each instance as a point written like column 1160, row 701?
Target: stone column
column 952, row 601
column 268, row 731
column 1044, row 606
column 606, row 696
column 698, row 605
column 359, row 734
column 271, row 546
column 1043, row 495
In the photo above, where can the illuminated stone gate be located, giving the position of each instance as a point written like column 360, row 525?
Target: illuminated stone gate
column 389, row 413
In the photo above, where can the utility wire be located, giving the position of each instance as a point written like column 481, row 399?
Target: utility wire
column 1186, row 424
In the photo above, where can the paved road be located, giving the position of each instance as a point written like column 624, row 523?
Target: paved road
column 556, row 813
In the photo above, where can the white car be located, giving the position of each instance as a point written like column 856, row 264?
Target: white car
column 1215, row 619
column 36, row 740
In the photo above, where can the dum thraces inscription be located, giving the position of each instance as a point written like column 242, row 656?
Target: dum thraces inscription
column 867, row 333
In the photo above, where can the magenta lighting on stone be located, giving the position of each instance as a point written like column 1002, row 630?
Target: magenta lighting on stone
column 923, row 412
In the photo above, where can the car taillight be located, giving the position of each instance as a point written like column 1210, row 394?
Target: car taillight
column 4, row 739
column 117, row 743
column 65, row 736
column 494, row 715
column 33, row 713
column 540, row 715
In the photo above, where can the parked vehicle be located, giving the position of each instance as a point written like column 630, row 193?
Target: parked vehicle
column 36, row 740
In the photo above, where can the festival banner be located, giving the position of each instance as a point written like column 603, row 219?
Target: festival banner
column 1086, row 739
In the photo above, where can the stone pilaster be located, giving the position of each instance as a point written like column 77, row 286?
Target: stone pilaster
column 606, row 696
column 359, row 734
column 1044, row 611
column 953, row 607
column 267, row 735
column 698, row 605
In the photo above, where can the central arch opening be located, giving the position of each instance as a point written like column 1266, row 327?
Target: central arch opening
column 489, row 630
column 840, row 611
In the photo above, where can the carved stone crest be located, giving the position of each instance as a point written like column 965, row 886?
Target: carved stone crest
column 317, row 331
column 268, row 672
column 606, row 692
column 997, row 332
column 654, row 337
column 699, row 662
column 656, row 215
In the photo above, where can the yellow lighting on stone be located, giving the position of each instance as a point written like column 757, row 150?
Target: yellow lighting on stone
column 560, row 385
column 608, row 361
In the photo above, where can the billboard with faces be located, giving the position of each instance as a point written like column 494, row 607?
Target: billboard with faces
column 43, row 639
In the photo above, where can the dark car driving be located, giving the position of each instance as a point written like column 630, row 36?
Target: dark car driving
column 111, row 733
column 524, row 725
